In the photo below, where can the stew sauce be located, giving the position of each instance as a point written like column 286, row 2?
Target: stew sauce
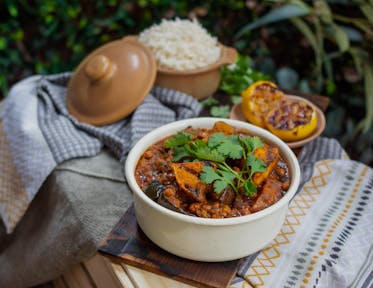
column 177, row 185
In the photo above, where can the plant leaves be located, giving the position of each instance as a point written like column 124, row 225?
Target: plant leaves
column 368, row 11
column 249, row 188
column 287, row 11
column 303, row 27
column 208, row 175
column 352, row 33
column 287, row 78
column 256, row 164
column 368, row 85
column 359, row 56
column 220, row 111
column 323, row 11
column 179, row 139
column 341, row 38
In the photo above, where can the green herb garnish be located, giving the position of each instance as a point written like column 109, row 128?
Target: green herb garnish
column 236, row 77
column 221, row 111
column 220, row 149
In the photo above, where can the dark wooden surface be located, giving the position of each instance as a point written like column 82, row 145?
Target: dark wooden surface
column 130, row 244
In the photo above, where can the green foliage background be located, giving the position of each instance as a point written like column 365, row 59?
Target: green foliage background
column 46, row 36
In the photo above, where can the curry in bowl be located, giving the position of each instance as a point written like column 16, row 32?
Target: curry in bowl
column 217, row 172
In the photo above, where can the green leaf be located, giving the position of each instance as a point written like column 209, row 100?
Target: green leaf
column 323, row 11
column 220, row 182
column 303, row 27
column 257, row 142
column 180, row 152
column 228, row 146
column 256, row 164
column 237, row 77
column 208, row 175
column 353, row 34
column 200, row 149
column 220, row 185
column 215, row 139
column 368, row 85
column 367, row 9
column 220, row 111
column 287, row 78
column 12, row 9
column 231, row 150
column 249, row 188
column 235, row 99
column 359, row 56
column 283, row 13
column 252, row 143
column 3, row 43
column 209, row 102
column 341, row 38
column 181, row 138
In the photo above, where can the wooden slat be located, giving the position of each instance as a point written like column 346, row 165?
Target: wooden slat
column 145, row 279
column 122, row 276
column 59, row 283
column 77, row 277
column 101, row 272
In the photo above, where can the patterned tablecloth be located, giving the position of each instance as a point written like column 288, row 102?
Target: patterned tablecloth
column 327, row 237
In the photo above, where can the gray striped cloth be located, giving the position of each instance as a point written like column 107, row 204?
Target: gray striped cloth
column 38, row 133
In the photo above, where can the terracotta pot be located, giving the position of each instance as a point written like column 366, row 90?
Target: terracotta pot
column 199, row 83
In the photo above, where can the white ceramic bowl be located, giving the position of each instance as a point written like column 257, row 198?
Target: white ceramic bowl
column 206, row 239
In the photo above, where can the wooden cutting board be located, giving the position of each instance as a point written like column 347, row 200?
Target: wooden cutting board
column 127, row 241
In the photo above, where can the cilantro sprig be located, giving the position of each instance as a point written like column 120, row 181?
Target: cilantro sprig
column 220, row 149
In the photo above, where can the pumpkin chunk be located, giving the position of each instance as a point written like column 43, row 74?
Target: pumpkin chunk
column 187, row 177
column 270, row 194
column 270, row 155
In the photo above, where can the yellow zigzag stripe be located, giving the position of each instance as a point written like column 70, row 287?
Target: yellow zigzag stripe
column 298, row 208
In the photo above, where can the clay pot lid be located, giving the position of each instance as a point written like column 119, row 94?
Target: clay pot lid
column 111, row 82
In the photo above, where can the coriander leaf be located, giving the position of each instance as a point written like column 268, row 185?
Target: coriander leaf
column 220, row 179
column 256, row 164
column 200, row 150
column 256, row 142
column 209, row 102
column 215, row 139
column 252, row 143
column 249, row 188
column 220, row 111
column 208, row 175
column 180, row 152
column 231, row 150
column 236, row 77
column 179, row 139
column 229, row 146
column 235, row 99
column 220, row 185
column 227, row 175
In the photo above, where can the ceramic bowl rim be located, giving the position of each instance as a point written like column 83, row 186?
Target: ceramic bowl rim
column 171, row 128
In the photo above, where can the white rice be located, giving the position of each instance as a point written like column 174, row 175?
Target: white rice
column 181, row 44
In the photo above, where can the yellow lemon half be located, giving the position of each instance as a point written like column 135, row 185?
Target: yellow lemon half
column 292, row 120
column 258, row 99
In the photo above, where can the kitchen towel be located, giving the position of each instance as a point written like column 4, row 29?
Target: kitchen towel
column 37, row 133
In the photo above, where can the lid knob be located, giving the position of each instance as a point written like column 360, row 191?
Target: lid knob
column 99, row 67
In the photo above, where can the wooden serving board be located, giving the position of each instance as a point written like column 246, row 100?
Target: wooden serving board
column 127, row 241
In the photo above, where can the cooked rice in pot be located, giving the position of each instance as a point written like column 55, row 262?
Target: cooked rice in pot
column 181, row 44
